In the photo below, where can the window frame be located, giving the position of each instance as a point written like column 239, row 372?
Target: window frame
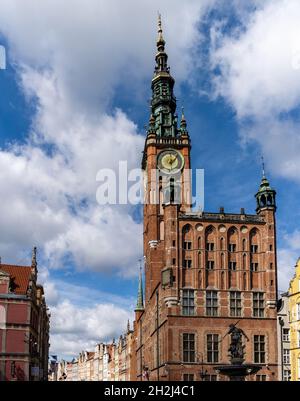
column 186, row 295
column 211, row 303
column 260, row 302
column 259, row 342
column 235, row 303
column 189, row 352
column 212, row 348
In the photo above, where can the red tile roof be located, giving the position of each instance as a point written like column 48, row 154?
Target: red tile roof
column 21, row 275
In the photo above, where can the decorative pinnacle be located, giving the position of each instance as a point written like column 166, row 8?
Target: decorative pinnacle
column 182, row 114
column 33, row 259
column 140, row 299
column 183, row 120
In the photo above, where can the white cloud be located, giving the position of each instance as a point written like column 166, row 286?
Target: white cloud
column 76, row 328
column 82, row 316
column 94, row 46
column 260, row 78
column 70, row 58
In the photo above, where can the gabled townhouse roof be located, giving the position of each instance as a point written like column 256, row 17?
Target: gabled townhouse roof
column 20, row 275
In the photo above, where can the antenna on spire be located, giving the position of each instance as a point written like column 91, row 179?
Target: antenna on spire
column 159, row 21
column 263, row 165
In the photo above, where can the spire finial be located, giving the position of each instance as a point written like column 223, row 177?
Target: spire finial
column 160, row 39
column 159, row 21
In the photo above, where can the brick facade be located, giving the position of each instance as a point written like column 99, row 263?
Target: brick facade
column 24, row 325
column 226, row 261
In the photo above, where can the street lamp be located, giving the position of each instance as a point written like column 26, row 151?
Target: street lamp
column 202, row 372
column 13, row 369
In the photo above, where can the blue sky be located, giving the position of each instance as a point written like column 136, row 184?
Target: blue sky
column 75, row 98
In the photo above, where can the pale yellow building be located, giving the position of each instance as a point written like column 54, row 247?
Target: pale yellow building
column 294, row 317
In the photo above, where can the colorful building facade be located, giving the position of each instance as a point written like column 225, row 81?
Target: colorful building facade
column 24, row 324
column 294, row 317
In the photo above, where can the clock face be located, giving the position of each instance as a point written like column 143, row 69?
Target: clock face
column 170, row 161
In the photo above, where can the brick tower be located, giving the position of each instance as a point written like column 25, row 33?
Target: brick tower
column 203, row 271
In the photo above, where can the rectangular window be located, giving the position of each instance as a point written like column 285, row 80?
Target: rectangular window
column 286, row 356
column 210, row 246
column 212, row 348
column 254, row 267
column 210, row 265
column 232, row 247
column 286, row 375
column 259, row 349
column 187, row 263
column 261, row 378
column 187, row 245
column 235, row 304
column 254, row 248
column 210, row 378
column 258, row 304
column 211, row 303
column 298, row 311
column 188, row 302
column 286, row 335
column 232, row 266
column 188, row 347
column 188, row 377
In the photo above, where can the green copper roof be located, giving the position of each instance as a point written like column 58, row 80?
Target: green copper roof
column 264, row 185
column 164, row 120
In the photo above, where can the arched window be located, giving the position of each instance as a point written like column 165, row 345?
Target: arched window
column 210, row 238
column 187, row 237
column 254, row 241
column 222, row 243
column 210, row 235
column 244, row 242
column 187, row 245
column 232, row 239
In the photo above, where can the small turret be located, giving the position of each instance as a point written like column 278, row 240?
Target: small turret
column 266, row 196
